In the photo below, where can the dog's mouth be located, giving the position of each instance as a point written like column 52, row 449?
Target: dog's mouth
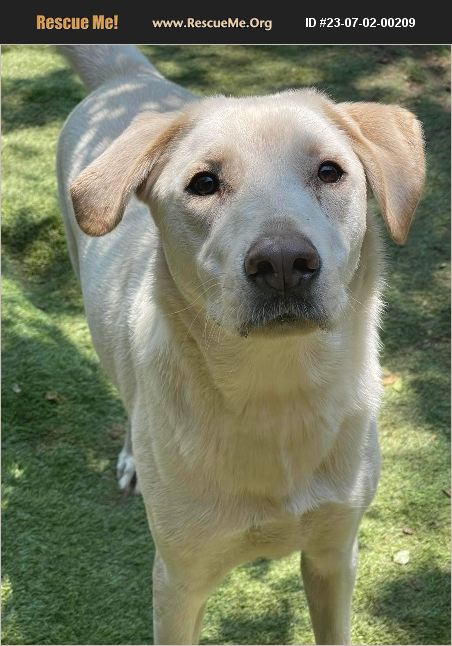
column 281, row 316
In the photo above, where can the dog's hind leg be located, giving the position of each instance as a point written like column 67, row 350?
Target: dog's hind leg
column 125, row 467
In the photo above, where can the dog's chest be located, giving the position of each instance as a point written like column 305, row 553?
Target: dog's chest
column 239, row 431
column 270, row 449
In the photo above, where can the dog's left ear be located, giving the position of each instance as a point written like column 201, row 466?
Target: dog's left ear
column 389, row 142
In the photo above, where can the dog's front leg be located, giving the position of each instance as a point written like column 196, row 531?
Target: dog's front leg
column 328, row 578
column 179, row 603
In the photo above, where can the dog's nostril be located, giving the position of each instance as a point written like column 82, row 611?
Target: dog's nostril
column 264, row 267
column 307, row 265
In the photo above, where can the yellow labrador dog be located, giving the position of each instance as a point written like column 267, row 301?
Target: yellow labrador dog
column 231, row 275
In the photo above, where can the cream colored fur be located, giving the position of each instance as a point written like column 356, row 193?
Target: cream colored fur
column 248, row 442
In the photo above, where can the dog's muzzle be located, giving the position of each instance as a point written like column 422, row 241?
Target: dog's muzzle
column 282, row 271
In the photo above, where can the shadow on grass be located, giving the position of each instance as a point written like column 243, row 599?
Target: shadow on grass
column 22, row 234
column 335, row 69
column 255, row 623
column 249, row 627
column 34, row 102
column 258, row 569
column 75, row 551
column 419, row 602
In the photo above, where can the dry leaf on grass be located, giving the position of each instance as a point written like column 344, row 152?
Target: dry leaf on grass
column 116, row 431
column 54, row 397
column 389, row 378
column 394, row 380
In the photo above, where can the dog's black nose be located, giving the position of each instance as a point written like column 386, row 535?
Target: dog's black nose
column 282, row 263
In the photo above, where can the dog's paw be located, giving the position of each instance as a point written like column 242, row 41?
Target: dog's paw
column 126, row 473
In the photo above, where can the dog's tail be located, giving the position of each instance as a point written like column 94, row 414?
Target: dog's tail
column 96, row 64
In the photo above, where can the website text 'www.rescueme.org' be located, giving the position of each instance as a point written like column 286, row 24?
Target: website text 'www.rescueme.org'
column 212, row 23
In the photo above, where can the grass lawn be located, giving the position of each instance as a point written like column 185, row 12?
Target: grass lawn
column 77, row 556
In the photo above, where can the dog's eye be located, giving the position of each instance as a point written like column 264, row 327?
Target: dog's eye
column 204, row 184
column 329, row 172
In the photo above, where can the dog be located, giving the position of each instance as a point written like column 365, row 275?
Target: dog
column 232, row 275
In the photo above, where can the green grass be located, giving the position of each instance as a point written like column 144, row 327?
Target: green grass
column 77, row 556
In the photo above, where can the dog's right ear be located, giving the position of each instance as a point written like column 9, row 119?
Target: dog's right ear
column 101, row 192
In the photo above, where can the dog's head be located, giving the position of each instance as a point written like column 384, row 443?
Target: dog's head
column 261, row 202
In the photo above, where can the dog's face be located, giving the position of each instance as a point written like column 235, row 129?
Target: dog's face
column 262, row 210
column 261, row 202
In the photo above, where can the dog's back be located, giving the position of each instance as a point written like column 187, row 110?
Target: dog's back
column 122, row 84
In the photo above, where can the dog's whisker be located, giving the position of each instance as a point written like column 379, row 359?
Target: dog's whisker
column 192, row 304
